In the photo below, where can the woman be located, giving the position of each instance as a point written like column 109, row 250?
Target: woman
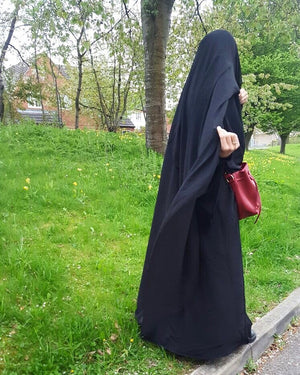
column 191, row 298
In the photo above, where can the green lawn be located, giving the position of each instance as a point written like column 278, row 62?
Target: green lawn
column 76, row 210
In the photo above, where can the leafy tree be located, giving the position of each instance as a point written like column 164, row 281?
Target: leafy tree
column 39, row 19
column 263, row 108
column 9, row 19
column 283, row 73
column 268, row 35
column 78, row 18
column 120, row 63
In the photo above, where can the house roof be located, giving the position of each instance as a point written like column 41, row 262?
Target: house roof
column 17, row 71
column 126, row 123
column 37, row 115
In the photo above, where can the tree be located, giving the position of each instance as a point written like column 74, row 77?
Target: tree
column 111, row 68
column 156, row 17
column 3, row 54
column 112, row 77
column 38, row 16
column 263, row 108
column 268, row 39
column 282, row 73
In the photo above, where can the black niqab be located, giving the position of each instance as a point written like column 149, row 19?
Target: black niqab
column 191, row 297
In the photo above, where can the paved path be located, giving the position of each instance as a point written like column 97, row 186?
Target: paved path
column 273, row 323
column 285, row 361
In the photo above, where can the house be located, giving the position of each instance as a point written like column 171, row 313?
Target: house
column 137, row 117
column 260, row 139
column 126, row 125
column 25, row 90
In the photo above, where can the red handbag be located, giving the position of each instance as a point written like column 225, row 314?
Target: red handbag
column 245, row 191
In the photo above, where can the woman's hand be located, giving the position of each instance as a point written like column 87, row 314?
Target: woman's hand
column 243, row 96
column 229, row 142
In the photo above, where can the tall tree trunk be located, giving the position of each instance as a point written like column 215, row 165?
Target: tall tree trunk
column 283, row 138
column 80, row 57
column 104, row 109
column 248, row 136
column 38, row 80
column 78, row 92
column 57, row 93
column 156, row 17
column 2, row 57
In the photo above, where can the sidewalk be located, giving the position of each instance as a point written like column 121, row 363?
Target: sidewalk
column 273, row 323
column 285, row 361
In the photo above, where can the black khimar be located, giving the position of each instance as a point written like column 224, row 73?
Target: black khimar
column 191, row 298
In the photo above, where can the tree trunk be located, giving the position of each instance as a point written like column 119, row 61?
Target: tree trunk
column 248, row 136
column 38, row 80
column 2, row 57
column 156, row 16
column 80, row 57
column 57, row 94
column 104, row 109
column 78, row 92
column 283, row 138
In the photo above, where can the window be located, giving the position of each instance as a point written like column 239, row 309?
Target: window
column 33, row 102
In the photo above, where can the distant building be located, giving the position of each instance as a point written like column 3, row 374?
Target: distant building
column 138, row 119
column 126, row 125
column 260, row 139
column 31, row 106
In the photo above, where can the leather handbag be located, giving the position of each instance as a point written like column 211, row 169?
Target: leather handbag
column 245, row 191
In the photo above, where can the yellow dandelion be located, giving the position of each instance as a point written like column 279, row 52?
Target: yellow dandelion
column 154, row 175
column 149, row 187
column 107, row 164
column 27, row 180
column 131, row 340
column 25, row 187
column 79, row 169
column 158, row 176
column 75, row 183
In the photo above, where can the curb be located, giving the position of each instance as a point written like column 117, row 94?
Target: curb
column 274, row 322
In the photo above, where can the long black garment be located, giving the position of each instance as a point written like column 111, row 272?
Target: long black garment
column 191, row 298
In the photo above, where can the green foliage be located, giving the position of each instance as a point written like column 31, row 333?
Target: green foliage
column 263, row 108
column 113, row 80
column 251, row 366
column 266, row 34
column 76, row 210
column 269, row 51
column 282, row 67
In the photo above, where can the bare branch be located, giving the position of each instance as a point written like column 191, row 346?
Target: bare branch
column 126, row 9
column 89, row 107
column 199, row 15
column 19, row 53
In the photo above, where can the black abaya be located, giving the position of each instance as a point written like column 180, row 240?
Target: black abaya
column 191, row 298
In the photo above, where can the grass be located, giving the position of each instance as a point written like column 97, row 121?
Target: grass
column 76, row 210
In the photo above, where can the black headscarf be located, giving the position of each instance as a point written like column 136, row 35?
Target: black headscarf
column 191, row 173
